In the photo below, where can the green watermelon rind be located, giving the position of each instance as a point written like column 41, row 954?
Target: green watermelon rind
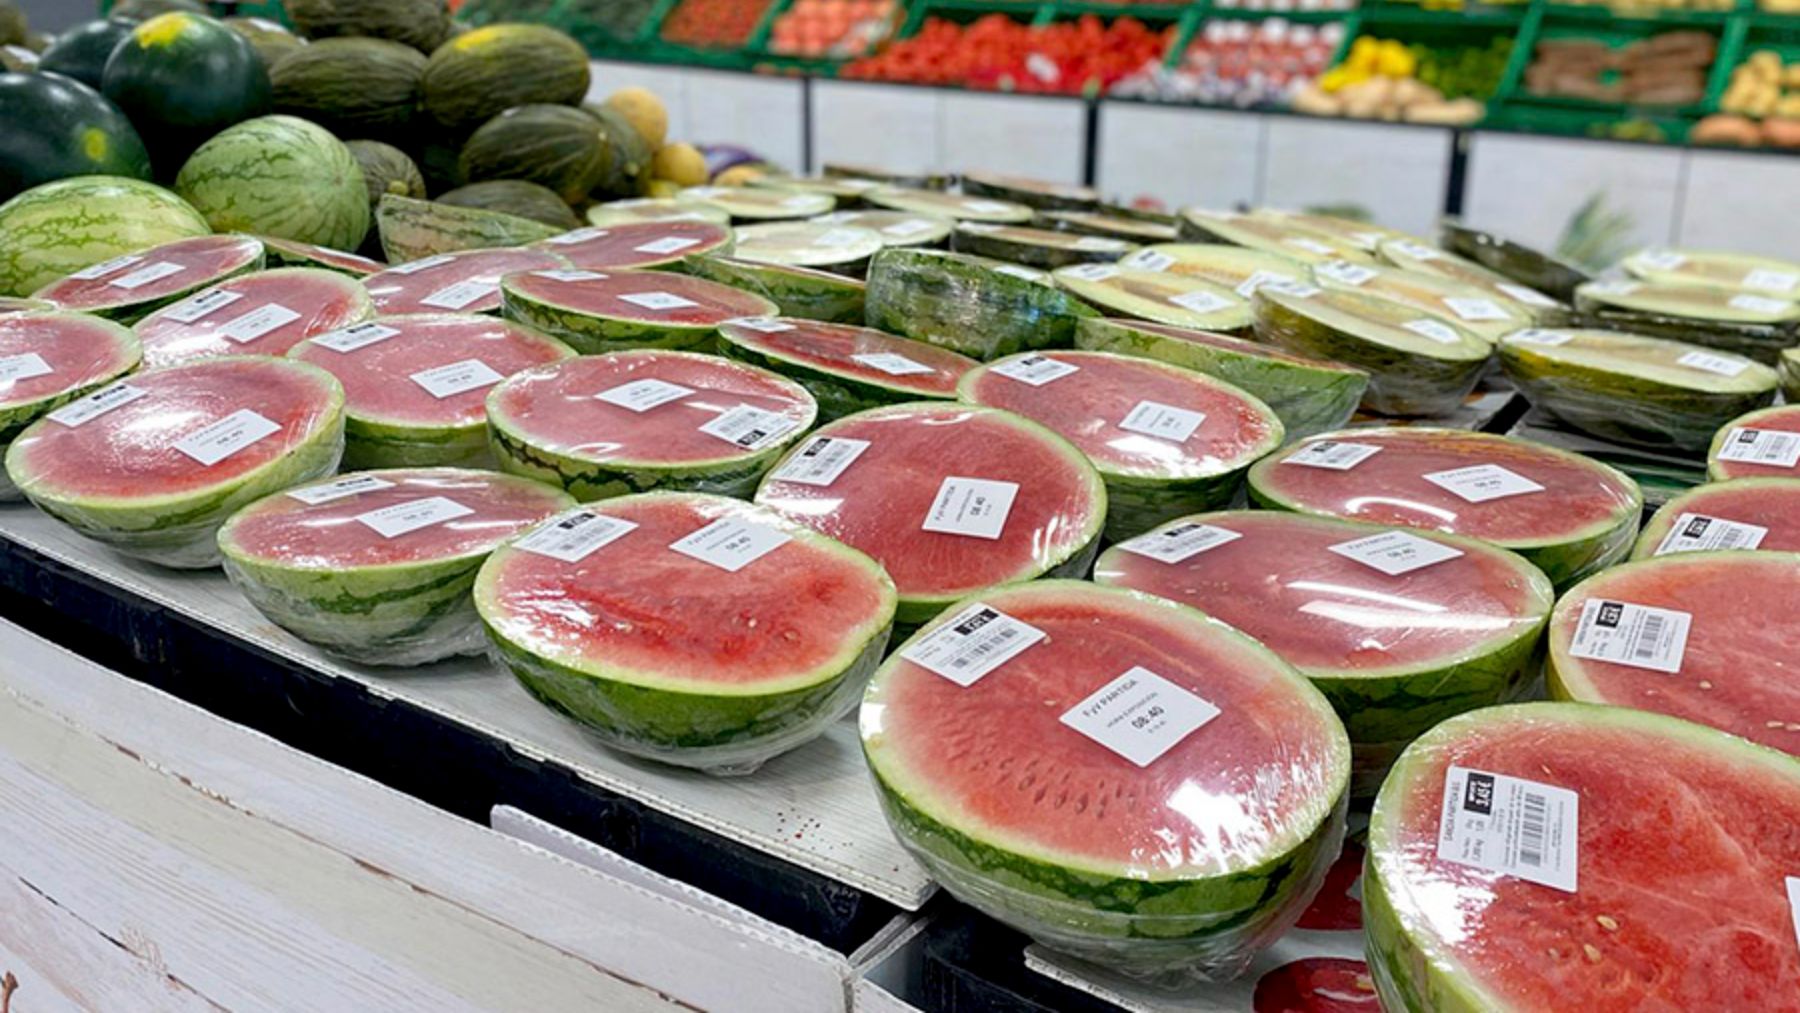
column 83, row 220
column 415, row 229
column 595, row 334
column 1309, row 399
column 967, row 305
column 395, row 614
column 1663, row 521
column 1054, row 250
column 1716, row 469
column 838, row 393
column 1125, row 920
column 795, row 291
column 15, row 418
column 252, row 178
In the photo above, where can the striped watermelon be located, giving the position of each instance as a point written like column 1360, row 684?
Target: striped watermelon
column 59, row 228
column 279, row 176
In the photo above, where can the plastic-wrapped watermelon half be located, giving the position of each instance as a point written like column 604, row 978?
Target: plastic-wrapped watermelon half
column 1363, row 235
column 746, row 204
column 1040, row 248
column 1036, row 193
column 1175, row 299
column 415, row 387
column 293, row 253
column 843, row 189
column 633, row 421
column 952, row 499
column 265, row 313
column 1239, row 268
column 691, row 629
column 126, row 288
column 1421, row 258
column 796, row 291
column 1752, row 324
column 638, row 244
column 1747, row 513
column 1761, row 444
column 1742, row 271
column 896, row 228
column 597, row 311
column 979, row 307
column 961, row 207
column 1597, row 858
column 1568, row 514
column 1790, row 374
column 464, row 282
column 1418, row 363
column 847, row 369
column 1167, row 441
column 840, row 249
column 50, row 358
column 1399, row 629
column 1117, row 775
column 1112, row 226
column 654, row 209
column 1532, row 268
column 1287, row 239
column 154, row 464
column 1308, row 395
column 1471, row 308
column 1706, row 636
column 376, row 567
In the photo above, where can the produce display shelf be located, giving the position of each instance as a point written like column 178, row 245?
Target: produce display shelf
column 801, row 842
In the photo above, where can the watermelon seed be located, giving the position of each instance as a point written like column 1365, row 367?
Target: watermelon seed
column 1705, row 685
column 1608, row 922
column 1592, row 951
column 1772, row 724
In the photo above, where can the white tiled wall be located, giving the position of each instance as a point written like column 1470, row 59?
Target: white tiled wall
column 1528, row 187
column 1180, row 156
column 1397, row 173
column 869, row 124
column 1742, row 202
column 1042, row 137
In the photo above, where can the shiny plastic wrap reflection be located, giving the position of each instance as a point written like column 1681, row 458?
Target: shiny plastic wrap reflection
column 1741, row 271
column 48, row 359
column 1131, row 783
column 375, row 567
column 695, row 630
column 1270, row 235
column 979, row 307
column 154, row 464
column 951, row 499
column 1418, row 364
column 1567, row 514
column 1600, row 859
column 846, row 368
column 1633, row 389
column 266, row 313
column 640, row 244
column 1180, row 300
column 463, row 282
column 1471, row 308
column 793, row 291
column 125, row 288
column 1399, row 630
column 1753, row 325
column 1167, row 441
column 963, row 207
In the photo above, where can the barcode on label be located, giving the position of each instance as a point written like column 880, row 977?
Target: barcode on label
column 1091, row 272
column 667, row 244
column 1258, row 279
column 1416, row 251
column 574, row 536
column 1035, row 370
column 1332, row 455
column 1202, row 301
column 1771, row 281
column 1476, row 310
column 461, row 294
column 106, row 267
column 1534, row 812
column 1626, row 633
column 1345, row 273
column 1773, row 447
column 577, row 236
column 200, row 305
column 1753, row 303
column 258, row 322
column 1152, row 260
column 1510, row 825
column 1441, row 333
column 96, row 404
column 352, row 338
column 972, row 643
column 750, row 427
column 1724, row 365
column 1700, row 533
column 892, row 363
column 1528, row 296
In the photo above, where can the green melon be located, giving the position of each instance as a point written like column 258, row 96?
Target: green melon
column 271, row 40
column 59, row 228
column 414, row 229
column 279, row 176
column 386, row 169
column 351, row 87
column 979, row 307
column 559, row 147
column 514, row 197
column 81, row 52
column 484, row 72
column 421, row 24
column 796, row 291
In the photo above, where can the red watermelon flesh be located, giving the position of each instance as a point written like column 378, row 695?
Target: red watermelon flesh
column 258, row 314
column 377, row 377
column 79, row 350
column 880, row 502
column 1087, row 406
column 835, row 347
column 1782, row 418
column 1739, row 671
column 1685, row 838
column 637, row 606
column 559, row 407
column 1317, row 985
column 129, row 452
column 465, row 282
column 291, row 533
column 154, row 276
column 644, row 244
column 610, row 295
column 1772, row 504
column 290, row 251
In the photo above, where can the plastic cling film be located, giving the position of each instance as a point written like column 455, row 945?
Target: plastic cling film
column 266, row 313
column 1758, row 326
column 48, row 359
column 128, row 287
column 1761, row 444
column 1112, row 785
column 846, row 368
column 969, row 304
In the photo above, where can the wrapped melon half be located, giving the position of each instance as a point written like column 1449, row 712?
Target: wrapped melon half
column 1366, row 236
column 50, row 358
column 846, row 368
column 921, row 180
column 1421, row 258
column 950, row 205
column 979, row 307
column 846, row 190
column 1040, row 248
column 1742, row 271
column 638, row 245
column 1470, row 308
column 795, row 291
column 1112, row 226
column 1239, row 268
column 1759, row 326
column 1764, row 443
column 1548, row 274
column 745, row 204
column 1635, row 389
column 841, row 249
column 896, row 228
column 1175, row 299
column 604, row 311
column 1747, row 513
column 1285, row 238
column 128, row 287
column 1041, row 194
column 655, row 209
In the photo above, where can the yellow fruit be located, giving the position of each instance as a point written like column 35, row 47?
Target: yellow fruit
column 738, row 175
column 679, row 163
column 661, row 188
column 644, row 111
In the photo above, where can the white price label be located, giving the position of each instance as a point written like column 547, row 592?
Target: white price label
column 1165, row 422
column 1310, row 246
column 1662, row 260
column 986, row 207
column 1441, row 333
column 577, row 236
column 23, row 367
column 1542, row 338
column 1346, row 273
column 1367, row 240
column 146, row 274
column 1724, row 365
column 976, row 507
column 750, row 427
column 978, row 228
column 1296, row 289
column 1098, row 244
column 258, row 322
column 1774, row 447
column 1771, row 281
column 1479, row 483
column 461, row 295
column 1476, row 310
column 667, row 244
column 1637, row 635
column 1395, row 552
column 96, row 404
column 1417, row 251
column 835, row 238
column 1332, row 455
column 1528, row 296
column 909, row 227
column 1202, row 301
column 1510, row 825
column 423, row 264
column 1761, row 304
column 643, row 395
column 456, row 377
column 799, row 202
column 1140, row 715
column 574, row 536
column 705, row 192
column 190, row 310
column 106, row 267
column 731, row 543
column 1612, row 287
column 972, row 643
column 1793, row 892
column 402, row 518
column 1179, row 542
column 657, row 300
column 350, row 339
column 1020, row 272
column 892, row 363
column 1090, row 272
column 565, row 274
column 342, row 488
column 1258, row 279
column 1150, row 260
column 765, row 325
column 213, row 443
column 821, row 460
column 1701, row 533
column 1035, row 370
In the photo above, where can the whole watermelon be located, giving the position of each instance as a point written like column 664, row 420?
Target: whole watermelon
column 421, row 24
column 53, row 127
column 59, row 228
column 82, row 51
column 560, row 147
column 183, row 78
column 351, row 87
column 279, row 176
column 484, row 72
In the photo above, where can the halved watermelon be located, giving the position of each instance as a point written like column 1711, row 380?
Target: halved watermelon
column 949, row 205
column 293, row 253
column 1040, row 248
column 1758, row 325
column 979, row 307
column 608, row 311
column 48, row 359
column 747, row 204
column 796, row 291
column 465, row 282
column 1238, row 268
column 1176, row 299
column 842, row 249
column 691, row 629
column 1568, row 514
column 951, row 499
column 265, row 313
column 1678, row 843
column 415, row 387
column 1167, row 441
column 1763, row 443
column 1398, row 630
column 376, row 567
column 638, row 244
column 1309, row 395
column 1710, row 639
column 1748, row 513
column 1270, row 236
column 897, row 228
column 652, row 209
column 847, row 368
column 154, row 464
column 1119, row 776
column 607, row 425
column 125, row 288
column 1473, row 309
